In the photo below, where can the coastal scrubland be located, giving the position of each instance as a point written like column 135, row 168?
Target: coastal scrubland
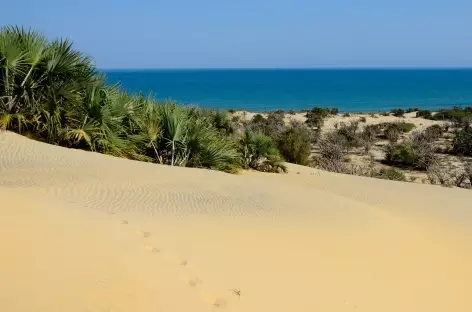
column 413, row 145
column 53, row 93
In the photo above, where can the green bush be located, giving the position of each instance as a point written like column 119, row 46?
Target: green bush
column 426, row 114
column 369, row 136
column 412, row 109
column 291, row 112
column 398, row 112
column 363, row 119
column 54, row 94
column 390, row 174
column 315, row 117
column 334, row 111
column 434, row 131
column 462, row 143
column 346, row 115
column 350, row 134
column 260, row 152
column 455, row 115
column 295, row 144
column 385, row 113
column 406, row 126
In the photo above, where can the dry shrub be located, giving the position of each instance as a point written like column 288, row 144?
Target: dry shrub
column 332, row 148
column 416, row 152
column 442, row 175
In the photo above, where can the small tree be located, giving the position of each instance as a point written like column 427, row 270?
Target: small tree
column 294, row 143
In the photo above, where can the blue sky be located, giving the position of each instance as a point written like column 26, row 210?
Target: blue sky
column 256, row 33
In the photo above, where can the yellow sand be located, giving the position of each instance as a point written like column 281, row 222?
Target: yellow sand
column 86, row 232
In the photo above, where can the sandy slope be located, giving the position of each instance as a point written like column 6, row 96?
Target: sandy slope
column 86, row 232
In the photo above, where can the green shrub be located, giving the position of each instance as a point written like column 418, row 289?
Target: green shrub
column 295, row 144
column 369, row 136
column 412, row 110
column 260, row 152
column 334, row 111
column 291, row 112
column 315, row 117
column 385, row 113
column 346, row 115
column 398, row 112
column 455, row 115
column 390, row 174
column 462, row 143
column 363, row 119
column 434, row 131
column 392, row 132
column 349, row 133
column 406, row 126
column 426, row 114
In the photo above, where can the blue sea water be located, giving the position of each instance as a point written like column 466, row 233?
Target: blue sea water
column 262, row 90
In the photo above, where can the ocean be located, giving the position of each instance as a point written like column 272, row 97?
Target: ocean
column 352, row 90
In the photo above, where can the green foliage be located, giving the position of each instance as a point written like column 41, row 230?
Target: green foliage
column 350, row 134
column 315, row 117
column 456, row 114
column 426, row 114
column 398, row 112
column 54, row 93
column 369, row 136
column 291, row 112
column 363, row 119
column 334, row 111
column 385, row 113
column 412, row 109
column 434, row 131
column 462, row 143
column 294, row 143
column 260, row 152
column 390, row 174
column 393, row 130
column 406, row 126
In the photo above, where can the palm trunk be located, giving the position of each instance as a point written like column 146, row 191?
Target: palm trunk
column 173, row 149
column 27, row 76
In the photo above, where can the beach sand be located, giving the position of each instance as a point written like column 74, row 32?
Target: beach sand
column 87, row 232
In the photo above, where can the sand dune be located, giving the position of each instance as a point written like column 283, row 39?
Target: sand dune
column 87, row 232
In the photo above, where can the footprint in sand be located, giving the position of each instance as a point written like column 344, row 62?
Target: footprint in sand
column 123, row 222
column 219, row 303
column 194, row 282
column 152, row 249
column 216, row 302
column 183, row 263
column 144, row 234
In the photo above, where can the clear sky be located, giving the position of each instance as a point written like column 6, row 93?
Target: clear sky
column 256, row 33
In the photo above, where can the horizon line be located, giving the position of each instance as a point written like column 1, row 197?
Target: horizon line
column 284, row 68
